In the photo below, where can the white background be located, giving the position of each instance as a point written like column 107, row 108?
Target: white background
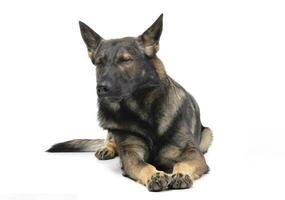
column 228, row 54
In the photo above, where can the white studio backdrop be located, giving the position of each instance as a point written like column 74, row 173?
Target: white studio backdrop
column 228, row 54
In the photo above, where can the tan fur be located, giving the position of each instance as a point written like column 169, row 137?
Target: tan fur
column 171, row 105
column 134, row 165
column 170, row 152
column 129, row 68
column 167, row 155
column 149, row 99
column 206, row 139
column 132, row 160
column 145, row 173
column 108, row 150
column 133, row 105
column 90, row 53
column 85, row 145
column 195, row 166
column 114, row 106
column 193, row 119
column 159, row 67
column 109, row 142
column 151, row 50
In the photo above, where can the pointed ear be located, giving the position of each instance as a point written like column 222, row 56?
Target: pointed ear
column 90, row 37
column 150, row 37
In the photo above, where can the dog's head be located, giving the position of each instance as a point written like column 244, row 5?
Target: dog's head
column 123, row 65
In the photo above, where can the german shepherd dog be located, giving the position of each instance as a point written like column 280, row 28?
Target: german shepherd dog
column 153, row 123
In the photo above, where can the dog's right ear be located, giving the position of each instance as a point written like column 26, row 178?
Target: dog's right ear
column 151, row 36
column 90, row 37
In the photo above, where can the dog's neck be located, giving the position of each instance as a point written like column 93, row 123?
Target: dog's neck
column 159, row 68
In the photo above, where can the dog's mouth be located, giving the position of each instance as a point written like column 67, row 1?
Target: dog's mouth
column 112, row 99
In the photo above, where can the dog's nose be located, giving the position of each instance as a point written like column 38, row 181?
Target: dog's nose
column 103, row 89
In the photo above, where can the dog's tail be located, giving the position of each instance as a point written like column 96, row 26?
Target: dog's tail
column 206, row 139
column 78, row 145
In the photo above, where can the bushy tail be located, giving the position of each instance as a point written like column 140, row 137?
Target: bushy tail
column 78, row 145
column 206, row 139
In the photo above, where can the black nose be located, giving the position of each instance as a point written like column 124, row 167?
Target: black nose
column 103, row 89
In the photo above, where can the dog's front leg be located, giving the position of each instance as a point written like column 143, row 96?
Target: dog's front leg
column 191, row 166
column 133, row 154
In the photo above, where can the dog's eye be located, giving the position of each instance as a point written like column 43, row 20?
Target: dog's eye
column 125, row 59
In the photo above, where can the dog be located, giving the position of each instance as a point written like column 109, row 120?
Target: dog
column 153, row 123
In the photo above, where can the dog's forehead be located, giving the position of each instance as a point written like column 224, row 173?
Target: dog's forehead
column 115, row 46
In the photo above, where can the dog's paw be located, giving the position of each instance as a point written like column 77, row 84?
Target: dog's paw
column 105, row 153
column 180, row 181
column 158, row 182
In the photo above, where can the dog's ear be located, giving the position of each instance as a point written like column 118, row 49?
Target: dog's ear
column 90, row 37
column 150, row 38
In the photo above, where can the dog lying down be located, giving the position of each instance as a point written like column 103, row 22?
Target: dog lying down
column 153, row 123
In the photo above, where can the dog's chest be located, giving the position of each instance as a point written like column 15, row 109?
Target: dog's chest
column 129, row 115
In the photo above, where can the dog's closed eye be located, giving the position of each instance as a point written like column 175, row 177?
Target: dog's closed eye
column 124, row 59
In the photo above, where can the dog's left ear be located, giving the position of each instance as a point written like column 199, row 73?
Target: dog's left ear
column 150, row 38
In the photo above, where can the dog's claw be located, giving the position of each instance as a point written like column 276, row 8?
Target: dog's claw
column 105, row 153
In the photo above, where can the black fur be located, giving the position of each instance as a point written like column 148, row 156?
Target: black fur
column 63, row 147
column 152, row 122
